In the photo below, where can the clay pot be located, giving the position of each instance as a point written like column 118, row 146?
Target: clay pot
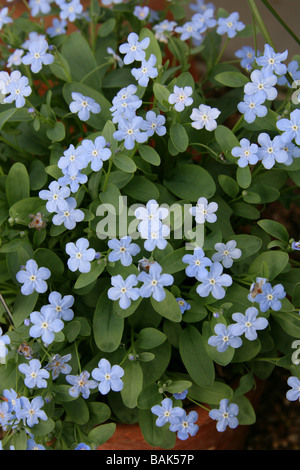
column 130, row 437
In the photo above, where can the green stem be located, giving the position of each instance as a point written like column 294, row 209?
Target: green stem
column 108, row 173
column 238, row 124
column 222, row 50
column 198, row 404
column 77, row 356
column 204, row 146
column 283, row 24
column 95, row 70
column 260, row 22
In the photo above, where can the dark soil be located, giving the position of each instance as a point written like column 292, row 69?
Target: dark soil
column 278, row 420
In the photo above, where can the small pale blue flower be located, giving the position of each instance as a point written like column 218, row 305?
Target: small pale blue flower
column 224, row 338
column 252, row 107
column 56, row 196
column 230, row 25
column 294, row 393
column 130, row 132
column 83, row 105
column 61, row 306
column 183, row 304
column 154, row 282
column 4, row 341
column 204, row 211
column 262, row 84
column 248, row 323
column 247, row 56
column 38, row 55
column 109, row 377
column 58, row 27
column 226, row 253
column 270, row 297
column 198, row 263
column 181, row 97
column 70, row 216
column 290, row 127
column 123, row 250
column 17, row 89
column 271, row 151
column 80, row 255
column 33, row 278
column 226, row 415
column 214, row 282
column 166, row 411
column 34, row 374
column 58, row 365
column 95, row 152
column 32, row 445
column 146, row 71
column 31, row 411
column 70, row 10
column 271, row 61
column 185, row 425
column 134, row 49
column 246, row 153
column 124, row 290
column 205, row 116
column 81, row 385
column 154, row 123
column 45, row 324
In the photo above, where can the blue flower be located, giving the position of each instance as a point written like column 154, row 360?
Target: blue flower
column 57, row 28
column 17, row 89
column 256, row 288
column 204, row 211
column 230, row 25
column 226, row 253
column 130, row 132
column 55, row 196
column 151, row 213
column 15, row 58
column 188, row 30
column 226, row 415
column 124, row 290
column 214, row 282
column 155, row 234
column 70, row 216
column 34, row 374
column 82, row 446
column 123, row 250
column 45, row 324
column 290, row 127
column 205, row 19
column 38, row 55
column 72, row 161
column 4, row 19
column 248, row 323
column 81, row 384
column 61, row 306
column 270, row 297
column 165, row 412
column 141, row 12
column 183, row 304
column 296, row 245
column 125, row 103
column 83, row 105
column 58, row 365
column 6, row 417
column 32, row 445
column 200, row 6
column 185, row 425
column 181, row 97
column 39, row 6
column 12, row 399
column 294, row 393
column 154, row 124
column 31, row 411
column 154, row 282
column 80, row 255
column 224, row 338
column 70, row 10
column 134, row 49
column 293, row 70
column 205, row 116
column 33, row 278
column 181, row 395
column 246, row 153
column 94, row 152
column 271, row 151
column 247, row 56
column 163, row 27
column 197, row 264
column 252, row 107
column 109, row 377
column 262, row 84
column 73, row 181
column 4, row 340
column 6, row 79
column 146, row 71
column 270, row 61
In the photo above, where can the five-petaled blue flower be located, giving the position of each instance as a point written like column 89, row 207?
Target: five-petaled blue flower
column 4, row 341
column 214, row 282
column 124, row 290
column 4, row 18
column 33, row 278
column 246, row 153
column 230, row 25
column 134, row 49
column 270, row 297
column 81, row 384
column 34, row 374
column 270, row 61
column 224, row 338
column 80, row 255
column 31, row 411
column 205, row 116
column 83, row 105
column 294, row 393
column 70, row 10
column 70, row 216
column 204, row 211
column 248, row 323
column 154, row 282
column 262, row 84
column 290, row 127
column 247, row 56
column 122, row 250
column 58, row 365
column 226, row 415
column 145, row 71
column 38, row 55
column 32, row 445
column 166, row 411
column 109, row 377
column 58, row 27
column 197, row 263
column 72, row 161
column 226, row 253
column 45, row 324
column 183, row 304
column 130, row 131
column 185, row 425
column 94, row 152
column 61, row 306
column 181, row 97
column 252, row 107
column 17, row 89
column 56, row 196
column 154, row 123
column 271, row 151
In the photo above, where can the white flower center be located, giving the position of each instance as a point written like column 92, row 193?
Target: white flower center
column 32, row 278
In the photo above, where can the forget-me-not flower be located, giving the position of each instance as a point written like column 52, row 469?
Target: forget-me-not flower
column 122, row 250
column 81, row 384
column 61, row 306
column 290, row 127
column 154, row 123
column 248, row 323
column 58, row 27
column 205, row 116
column 32, row 445
column 270, row 297
column 130, row 131
column 134, row 49
column 125, row 103
column 109, row 377
column 204, row 211
column 58, row 365
column 31, row 411
column 70, row 10
column 214, row 282
column 12, row 399
column 55, row 196
column 17, row 89
column 185, row 425
column 6, row 417
column 44, row 325
column 271, row 61
column 183, row 304
column 197, row 263
column 38, row 55
column 226, row 415
column 271, row 151
column 80, row 255
column 262, row 84
column 246, row 153
column 230, row 25
column 149, row 214
column 155, row 234
column 252, row 107
column 33, row 278
column 4, row 341
column 154, row 282
column 226, row 253
column 294, row 393
column 95, row 152
column 181, row 97
column 34, row 374
column 72, row 161
column 141, row 12
column 166, row 411
column 6, row 79
column 15, row 58
column 293, row 70
column 4, row 18
column 39, row 6
column 224, row 338
column 247, row 56
column 205, row 19
column 145, row 71
column 124, row 290
column 188, row 30
column 73, row 181
column 83, row 105
column 70, row 216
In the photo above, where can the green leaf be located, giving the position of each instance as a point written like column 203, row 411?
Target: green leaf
column 37, row 175
column 153, row 48
column 101, row 434
column 5, row 115
column 191, row 346
column 172, row 263
column 133, row 383
column 99, row 413
column 212, row 394
column 245, row 210
column 232, row 79
column 162, row 94
column 72, row 330
column 43, row 427
column 289, row 322
column 77, row 411
column 125, row 163
column 276, row 262
column 141, row 189
column 275, row 229
column 149, row 397
column 48, row 259
column 243, row 177
column 85, row 279
column 108, row 329
column 168, row 308
column 156, row 436
column 111, row 198
column 23, row 306
column 248, row 244
column 56, row 133
column 229, row 185
column 179, row 137
column 185, row 180
column 17, row 183
column 246, row 415
column 20, row 210
column 149, row 154
column 227, row 140
column 107, row 27
column 149, row 338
